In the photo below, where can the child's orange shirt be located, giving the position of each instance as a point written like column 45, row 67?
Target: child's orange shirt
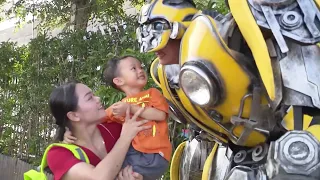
column 156, row 139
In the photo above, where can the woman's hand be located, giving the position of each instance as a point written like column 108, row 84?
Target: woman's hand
column 131, row 127
column 68, row 138
column 128, row 174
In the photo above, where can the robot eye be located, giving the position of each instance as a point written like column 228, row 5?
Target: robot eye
column 158, row 26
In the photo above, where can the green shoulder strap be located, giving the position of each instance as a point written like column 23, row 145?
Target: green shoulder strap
column 76, row 151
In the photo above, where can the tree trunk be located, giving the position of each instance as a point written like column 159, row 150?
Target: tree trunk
column 81, row 13
column 1, row 131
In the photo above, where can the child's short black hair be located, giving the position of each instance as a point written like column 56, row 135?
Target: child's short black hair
column 111, row 70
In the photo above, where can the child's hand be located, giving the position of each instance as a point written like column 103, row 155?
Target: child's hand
column 128, row 174
column 119, row 108
column 68, row 138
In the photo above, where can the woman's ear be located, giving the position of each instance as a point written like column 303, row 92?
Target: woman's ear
column 118, row 81
column 73, row 116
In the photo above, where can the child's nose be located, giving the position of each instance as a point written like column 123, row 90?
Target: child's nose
column 140, row 70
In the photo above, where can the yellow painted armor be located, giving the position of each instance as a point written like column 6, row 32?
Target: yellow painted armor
column 248, row 80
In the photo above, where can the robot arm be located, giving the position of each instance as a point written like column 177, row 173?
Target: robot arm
column 294, row 156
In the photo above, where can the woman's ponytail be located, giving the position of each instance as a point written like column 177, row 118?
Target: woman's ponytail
column 63, row 99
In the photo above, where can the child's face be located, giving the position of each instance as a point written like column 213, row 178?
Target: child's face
column 132, row 73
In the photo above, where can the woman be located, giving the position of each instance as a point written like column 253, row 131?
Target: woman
column 74, row 106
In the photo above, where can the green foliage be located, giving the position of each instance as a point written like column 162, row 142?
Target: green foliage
column 218, row 5
column 63, row 13
column 29, row 73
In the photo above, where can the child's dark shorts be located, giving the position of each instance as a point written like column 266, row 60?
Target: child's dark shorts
column 151, row 166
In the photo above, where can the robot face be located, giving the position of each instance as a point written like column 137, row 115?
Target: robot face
column 144, row 13
column 154, row 35
column 155, row 21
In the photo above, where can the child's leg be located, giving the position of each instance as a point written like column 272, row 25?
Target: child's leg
column 151, row 166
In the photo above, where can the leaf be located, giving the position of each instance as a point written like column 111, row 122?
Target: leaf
column 83, row 76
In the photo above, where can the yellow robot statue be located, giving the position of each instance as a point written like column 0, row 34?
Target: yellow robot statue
column 247, row 84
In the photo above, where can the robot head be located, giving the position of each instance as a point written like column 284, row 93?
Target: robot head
column 157, row 19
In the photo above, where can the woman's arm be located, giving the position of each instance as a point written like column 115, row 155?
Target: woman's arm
column 109, row 166
column 107, row 169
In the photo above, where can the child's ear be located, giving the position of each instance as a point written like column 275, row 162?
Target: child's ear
column 118, row 81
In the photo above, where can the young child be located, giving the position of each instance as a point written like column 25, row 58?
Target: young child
column 151, row 149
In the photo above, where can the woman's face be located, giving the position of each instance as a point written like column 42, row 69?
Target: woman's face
column 89, row 107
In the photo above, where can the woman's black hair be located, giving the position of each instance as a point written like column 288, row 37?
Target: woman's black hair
column 63, row 99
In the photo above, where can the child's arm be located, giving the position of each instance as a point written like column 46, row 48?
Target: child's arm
column 149, row 113
column 157, row 109
column 110, row 117
column 68, row 138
